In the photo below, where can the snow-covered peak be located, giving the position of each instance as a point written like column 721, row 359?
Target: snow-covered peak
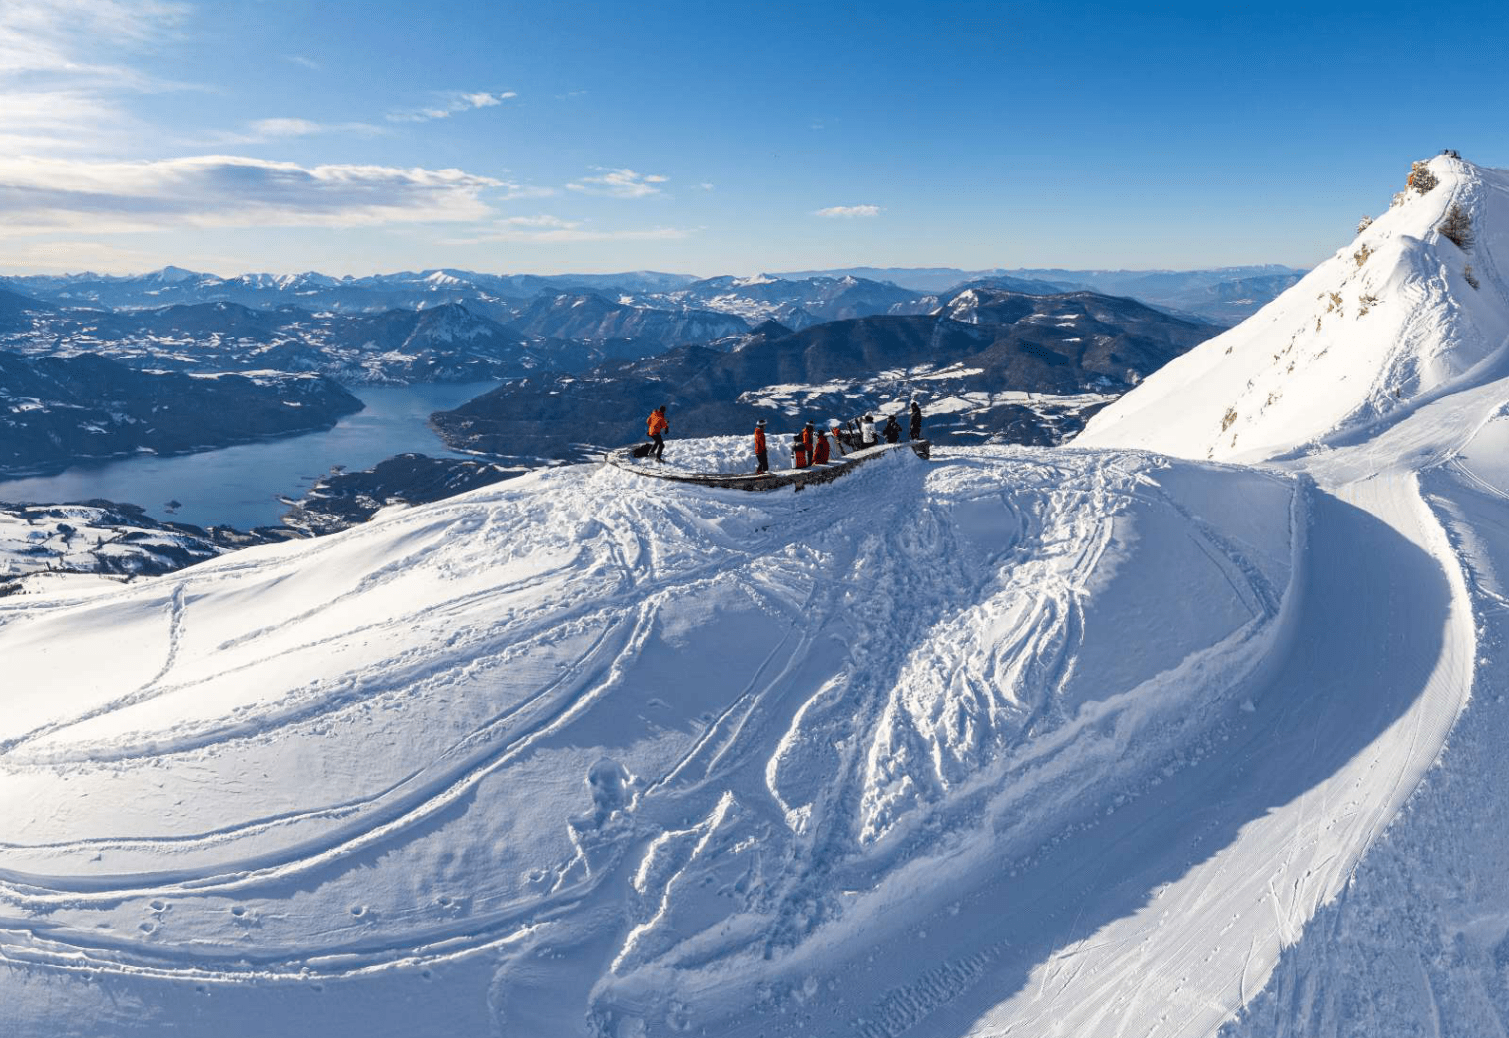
column 1394, row 317
column 171, row 275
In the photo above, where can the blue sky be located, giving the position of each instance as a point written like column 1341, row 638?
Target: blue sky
column 354, row 137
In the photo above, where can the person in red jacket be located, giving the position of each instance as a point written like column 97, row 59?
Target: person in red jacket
column 760, row 455
column 820, row 449
column 809, row 442
column 798, row 452
column 656, row 425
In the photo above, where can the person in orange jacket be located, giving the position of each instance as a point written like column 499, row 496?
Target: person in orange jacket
column 809, row 442
column 820, row 449
column 656, row 425
column 798, row 452
column 760, row 455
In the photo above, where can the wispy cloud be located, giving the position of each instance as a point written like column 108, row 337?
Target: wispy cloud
column 62, row 75
column 45, row 195
column 545, row 229
column 74, row 255
column 620, row 183
column 704, row 186
column 457, row 101
column 53, row 35
column 516, row 191
column 261, row 131
column 309, row 63
column 543, row 220
column 849, row 211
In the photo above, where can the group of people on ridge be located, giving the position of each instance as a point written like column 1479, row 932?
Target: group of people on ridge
column 810, row 446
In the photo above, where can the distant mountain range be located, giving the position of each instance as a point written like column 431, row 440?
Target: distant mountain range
column 1226, row 295
column 981, row 341
column 990, row 366
column 797, row 299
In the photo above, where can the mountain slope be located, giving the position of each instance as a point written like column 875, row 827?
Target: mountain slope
column 1388, row 321
column 56, row 411
column 985, row 376
column 441, row 343
column 662, row 731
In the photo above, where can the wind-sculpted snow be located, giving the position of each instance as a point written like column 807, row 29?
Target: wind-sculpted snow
column 697, row 736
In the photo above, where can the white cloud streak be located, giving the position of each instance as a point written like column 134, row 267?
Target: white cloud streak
column 260, row 131
column 61, row 83
column 49, row 195
column 848, row 211
column 619, row 183
column 545, row 229
column 459, row 101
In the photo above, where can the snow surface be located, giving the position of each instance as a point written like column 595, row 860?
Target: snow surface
column 1085, row 741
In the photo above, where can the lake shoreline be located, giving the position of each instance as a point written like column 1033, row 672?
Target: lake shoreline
column 241, row 485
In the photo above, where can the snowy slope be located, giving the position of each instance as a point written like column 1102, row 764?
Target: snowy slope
column 1388, row 321
column 685, row 743
column 1090, row 741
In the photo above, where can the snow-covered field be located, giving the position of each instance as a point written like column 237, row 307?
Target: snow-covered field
column 727, row 454
column 1086, row 741
column 951, row 390
column 43, row 545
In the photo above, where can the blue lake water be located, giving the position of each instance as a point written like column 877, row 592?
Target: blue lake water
column 239, row 486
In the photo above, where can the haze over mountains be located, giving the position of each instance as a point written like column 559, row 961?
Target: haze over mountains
column 821, row 295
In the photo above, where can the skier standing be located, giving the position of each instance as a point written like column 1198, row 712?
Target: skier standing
column 892, row 430
column 916, row 421
column 820, row 449
column 867, row 431
column 798, row 452
column 656, row 425
column 760, row 455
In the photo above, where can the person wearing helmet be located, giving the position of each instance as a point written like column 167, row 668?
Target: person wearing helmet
column 798, row 452
column 761, row 456
column 867, row 431
column 892, row 430
column 809, row 441
column 916, row 421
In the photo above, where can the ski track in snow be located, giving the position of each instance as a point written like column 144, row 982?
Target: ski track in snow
column 1018, row 742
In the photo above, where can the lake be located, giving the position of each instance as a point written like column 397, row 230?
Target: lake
column 239, row 486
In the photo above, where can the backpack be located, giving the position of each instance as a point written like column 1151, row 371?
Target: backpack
column 643, row 450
